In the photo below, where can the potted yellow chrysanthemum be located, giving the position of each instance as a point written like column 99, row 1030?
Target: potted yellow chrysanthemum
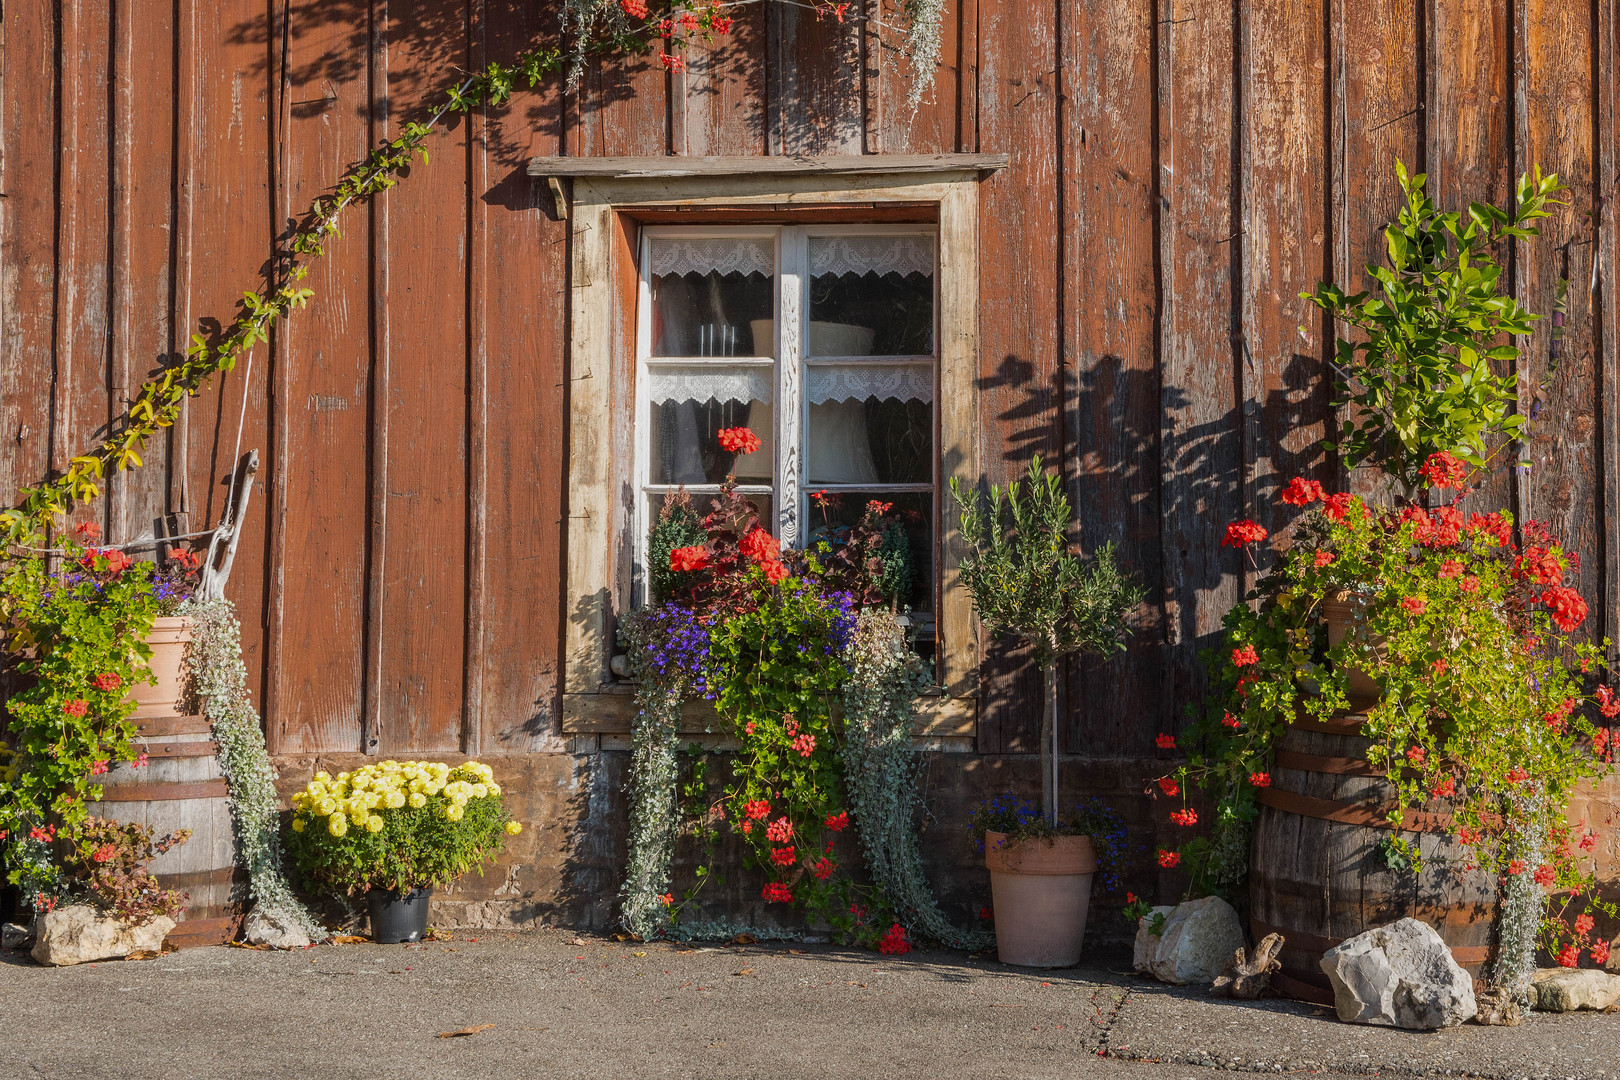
column 395, row 830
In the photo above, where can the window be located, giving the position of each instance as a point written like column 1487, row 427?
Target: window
column 820, row 339
column 831, row 304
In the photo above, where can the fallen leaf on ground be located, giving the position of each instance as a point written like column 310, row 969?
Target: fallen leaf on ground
column 139, row 955
column 475, row 1029
column 744, row 971
column 744, row 939
column 641, row 954
column 621, row 937
column 577, row 941
column 349, row 939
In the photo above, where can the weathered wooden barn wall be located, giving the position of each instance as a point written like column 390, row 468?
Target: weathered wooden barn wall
column 1180, row 172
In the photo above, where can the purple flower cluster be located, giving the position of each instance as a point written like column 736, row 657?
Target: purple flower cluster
column 680, row 644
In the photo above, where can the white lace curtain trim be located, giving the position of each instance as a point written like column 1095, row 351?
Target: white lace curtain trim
column 826, row 384
column 871, row 255
column 740, row 255
column 709, row 383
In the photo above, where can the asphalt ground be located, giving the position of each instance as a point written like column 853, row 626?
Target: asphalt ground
column 551, row 1003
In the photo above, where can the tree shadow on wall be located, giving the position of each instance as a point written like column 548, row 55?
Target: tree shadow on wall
column 1158, row 469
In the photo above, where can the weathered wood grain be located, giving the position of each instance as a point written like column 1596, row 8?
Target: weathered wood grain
column 1607, row 308
column 320, row 375
column 1109, row 320
column 1553, row 53
column 1200, row 437
column 717, row 105
column 813, row 83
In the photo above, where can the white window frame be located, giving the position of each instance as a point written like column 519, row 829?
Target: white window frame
column 790, row 313
column 604, row 271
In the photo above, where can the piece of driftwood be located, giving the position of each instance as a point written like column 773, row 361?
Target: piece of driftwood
column 1248, row 977
column 1496, row 1008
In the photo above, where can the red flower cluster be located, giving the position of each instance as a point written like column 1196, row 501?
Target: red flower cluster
column 1245, row 656
column 187, row 559
column 1516, row 867
column 1441, row 527
column 894, row 942
column 688, row 558
column 1336, row 507
column 1451, row 568
column 1446, row 787
column 1517, row 775
column 107, row 681
column 44, row 836
column 1444, row 471
column 1169, row 786
column 777, row 893
column 76, row 707
column 1188, row 816
column 1260, row 779
column 779, row 831
column 1608, row 703
column 837, row 822
column 1469, row 584
column 1231, row 721
column 1415, row 604
column 1567, row 608
column 1165, row 742
column 739, row 440
column 668, row 899
column 805, row 744
column 1569, row 956
column 1169, row 859
column 784, row 856
column 760, row 546
column 1416, row 754
column 88, row 530
column 1323, row 558
column 1539, row 565
column 1240, row 533
column 1301, row 492
column 117, row 562
column 1556, row 716
column 673, row 63
column 104, row 852
column 1600, row 952
column 823, row 868
column 636, row 9
column 1545, row 875
column 97, row 768
column 757, row 809
column 1496, row 526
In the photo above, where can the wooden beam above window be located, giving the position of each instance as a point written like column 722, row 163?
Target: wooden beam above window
column 627, row 168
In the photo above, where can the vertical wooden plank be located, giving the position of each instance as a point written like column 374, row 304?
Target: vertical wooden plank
column 1607, row 308
column 142, row 220
column 1377, row 119
column 1019, row 401
column 1201, row 434
column 28, row 93
column 958, row 668
column 1110, row 304
column 934, row 126
column 1284, row 245
column 186, row 92
column 814, row 83
column 232, row 219
column 372, row 719
column 524, row 301
column 1556, row 57
column 722, row 91
column 423, row 623
column 321, row 372
column 1469, row 114
column 622, row 107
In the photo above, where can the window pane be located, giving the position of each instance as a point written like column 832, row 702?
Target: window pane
column 685, row 437
column 833, row 512
column 701, row 503
column 710, row 295
column 870, row 424
column 871, row 296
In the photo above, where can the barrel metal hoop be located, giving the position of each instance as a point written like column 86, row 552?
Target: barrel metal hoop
column 158, row 726
column 164, row 792
column 1332, row 766
column 1369, row 815
column 204, row 749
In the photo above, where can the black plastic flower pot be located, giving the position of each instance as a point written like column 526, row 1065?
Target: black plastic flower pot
column 396, row 918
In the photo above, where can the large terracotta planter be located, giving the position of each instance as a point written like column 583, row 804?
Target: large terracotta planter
column 1342, row 614
column 169, row 641
column 1041, row 891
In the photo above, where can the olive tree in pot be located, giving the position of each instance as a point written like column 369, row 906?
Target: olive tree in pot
column 1028, row 582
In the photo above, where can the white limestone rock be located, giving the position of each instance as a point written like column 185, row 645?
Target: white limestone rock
column 275, row 929
column 1401, row 975
column 1567, row 989
column 1199, row 939
column 1147, row 942
column 80, row 933
column 13, row 936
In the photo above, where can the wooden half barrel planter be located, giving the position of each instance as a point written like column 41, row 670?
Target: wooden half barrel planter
column 1317, row 876
column 181, row 787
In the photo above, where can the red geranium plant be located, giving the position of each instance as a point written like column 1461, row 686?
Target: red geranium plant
column 1486, row 703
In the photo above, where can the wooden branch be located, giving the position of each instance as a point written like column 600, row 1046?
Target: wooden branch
column 1250, row 977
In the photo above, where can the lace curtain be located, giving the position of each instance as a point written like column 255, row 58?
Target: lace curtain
column 871, row 255
column 912, row 382
column 737, row 255
column 710, row 382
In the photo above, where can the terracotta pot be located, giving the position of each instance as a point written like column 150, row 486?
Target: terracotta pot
column 1041, row 892
column 1342, row 614
column 169, row 641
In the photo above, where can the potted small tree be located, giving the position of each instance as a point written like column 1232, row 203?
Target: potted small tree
column 1028, row 582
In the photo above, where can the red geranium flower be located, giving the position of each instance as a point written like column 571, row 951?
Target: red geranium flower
column 1451, row 568
column 739, row 440
column 1444, row 471
column 1188, row 816
column 673, row 63
column 76, row 707
column 1567, row 608
column 1600, row 952
column 823, row 869
column 1545, row 875
column 1245, row 656
column 1415, row 604
column 1495, row 526
column 1416, row 754
column 688, row 558
column 720, row 24
column 1240, row 533
column 760, row 546
column 107, row 681
column 838, row 822
column 1584, row 923
column 88, row 530
column 1517, row 775
column 636, row 9
column 1608, row 703
column 1469, row 584
column 1301, row 492
column 1165, row 742
column 97, row 768
column 1260, row 779
column 1335, row 507
column 757, row 809
column 1516, row 867
column 1231, row 721
column 894, row 942
column 1323, row 558
column 779, row 831
column 777, row 893
column 1169, row 786
column 1569, row 956
column 1169, row 859
column 805, row 744
column 1446, row 787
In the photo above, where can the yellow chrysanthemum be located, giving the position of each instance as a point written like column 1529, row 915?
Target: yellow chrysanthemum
column 480, row 791
column 374, row 823
column 326, row 807
column 417, row 799
column 453, row 812
column 298, row 824
column 337, row 825
column 494, row 788
column 513, row 828
column 396, row 799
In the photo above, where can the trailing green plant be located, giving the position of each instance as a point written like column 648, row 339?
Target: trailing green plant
column 1423, row 378
column 881, row 772
column 1028, row 582
column 219, row 681
column 397, row 825
column 73, row 635
column 1483, row 708
column 679, row 525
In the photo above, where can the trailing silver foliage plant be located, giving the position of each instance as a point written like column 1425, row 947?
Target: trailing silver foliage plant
column 1524, row 904
column 654, row 816
column 880, row 773
column 220, row 681
column 923, row 20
